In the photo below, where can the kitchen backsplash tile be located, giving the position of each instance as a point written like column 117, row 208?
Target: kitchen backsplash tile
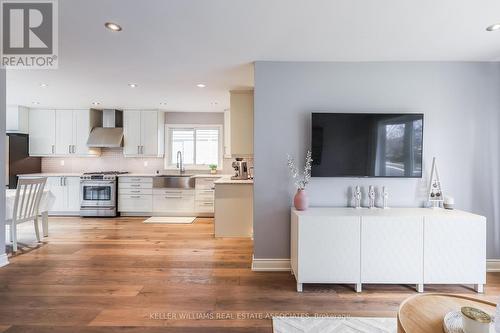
column 113, row 159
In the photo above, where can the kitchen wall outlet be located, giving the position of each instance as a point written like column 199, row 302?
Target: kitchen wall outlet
column 62, row 162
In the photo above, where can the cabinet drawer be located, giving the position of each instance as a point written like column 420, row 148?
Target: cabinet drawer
column 135, row 185
column 174, row 193
column 204, row 195
column 205, row 183
column 142, row 180
column 135, row 191
column 171, row 203
column 135, row 203
column 204, row 206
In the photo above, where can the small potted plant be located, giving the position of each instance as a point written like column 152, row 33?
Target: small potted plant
column 213, row 168
column 301, row 180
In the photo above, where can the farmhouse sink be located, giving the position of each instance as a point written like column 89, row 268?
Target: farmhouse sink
column 174, row 181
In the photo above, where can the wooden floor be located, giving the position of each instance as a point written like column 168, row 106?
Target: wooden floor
column 120, row 275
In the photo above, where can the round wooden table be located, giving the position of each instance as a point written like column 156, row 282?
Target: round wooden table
column 424, row 313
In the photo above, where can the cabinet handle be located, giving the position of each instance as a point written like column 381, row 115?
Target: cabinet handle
column 53, row 149
column 207, row 203
column 61, row 181
column 135, row 185
column 136, row 191
column 138, row 150
column 135, row 196
column 65, row 181
column 173, row 197
column 73, row 149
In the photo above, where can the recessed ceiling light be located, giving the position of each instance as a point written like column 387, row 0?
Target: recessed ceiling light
column 493, row 27
column 113, row 26
column 132, row 85
column 96, row 103
column 35, row 103
column 43, row 85
column 201, row 85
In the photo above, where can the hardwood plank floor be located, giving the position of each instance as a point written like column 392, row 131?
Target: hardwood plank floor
column 120, row 275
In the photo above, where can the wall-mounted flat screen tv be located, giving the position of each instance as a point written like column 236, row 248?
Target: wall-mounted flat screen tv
column 367, row 145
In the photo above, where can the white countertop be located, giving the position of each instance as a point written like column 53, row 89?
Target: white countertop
column 226, row 179
column 51, row 174
column 349, row 211
column 74, row 174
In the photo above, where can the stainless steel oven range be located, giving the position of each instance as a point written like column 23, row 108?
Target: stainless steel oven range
column 98, row 193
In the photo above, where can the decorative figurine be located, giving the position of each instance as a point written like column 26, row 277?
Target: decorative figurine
column 371, row 196
column 357, row 197
column 385, row 197
column 435, row 192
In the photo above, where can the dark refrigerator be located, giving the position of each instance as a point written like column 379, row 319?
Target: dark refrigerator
column 18, row 161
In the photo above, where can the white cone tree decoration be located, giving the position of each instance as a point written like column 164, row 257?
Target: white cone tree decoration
column 435, row 190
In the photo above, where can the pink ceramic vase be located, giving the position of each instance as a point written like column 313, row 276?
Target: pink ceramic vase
column 300, row 200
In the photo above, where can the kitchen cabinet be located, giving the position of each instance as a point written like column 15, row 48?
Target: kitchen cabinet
column 204, row 195
column 62, row 132
column 135, row 195
column 173, row 201
column 42, row 129
column 17, row 119
column 66, row 192
column 227, row 134
column 72, row 132
column 143, row 133
column 241, row 122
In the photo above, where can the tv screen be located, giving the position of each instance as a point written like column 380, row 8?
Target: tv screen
column 367, row 145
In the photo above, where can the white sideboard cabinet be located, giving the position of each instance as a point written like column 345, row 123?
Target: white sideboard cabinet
column 388, row 246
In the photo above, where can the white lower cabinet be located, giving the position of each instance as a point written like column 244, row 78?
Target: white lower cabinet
column 381, row 252
column 204, row 195
column 171, row 200
column 135, row 195
column 135, row 203
column 334, row 254
column 399, row 245
column 66, row 192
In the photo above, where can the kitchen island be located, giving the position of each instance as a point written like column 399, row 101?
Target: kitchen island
column 233, row 207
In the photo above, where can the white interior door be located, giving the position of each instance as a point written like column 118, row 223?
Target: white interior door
column 131, row 132
column 149, row 133
column 64, row 131
column 42, row 127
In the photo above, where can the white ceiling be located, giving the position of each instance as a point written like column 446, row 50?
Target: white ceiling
column 168, row 46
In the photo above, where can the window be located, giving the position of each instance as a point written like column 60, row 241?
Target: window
column 200, row 145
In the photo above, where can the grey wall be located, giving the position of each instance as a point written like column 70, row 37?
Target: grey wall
column 461, row 104
column 2, row 163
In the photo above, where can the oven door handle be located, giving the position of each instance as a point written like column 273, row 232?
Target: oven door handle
column 87, row 183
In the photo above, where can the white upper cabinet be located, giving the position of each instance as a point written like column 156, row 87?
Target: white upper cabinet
column 42, row 132
column 17, row 120
column 83, row 122
column 62, row 132
column 143, row 133
column 227, row 134
column 241, row 120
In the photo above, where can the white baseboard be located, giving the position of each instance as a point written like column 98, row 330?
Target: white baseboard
column 270, row 265
column 493, row 265
column 4, row 260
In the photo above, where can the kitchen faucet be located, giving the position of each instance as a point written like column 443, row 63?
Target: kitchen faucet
column 180, row 165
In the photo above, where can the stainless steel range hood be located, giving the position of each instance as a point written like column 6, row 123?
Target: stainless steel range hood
column 110, row 135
